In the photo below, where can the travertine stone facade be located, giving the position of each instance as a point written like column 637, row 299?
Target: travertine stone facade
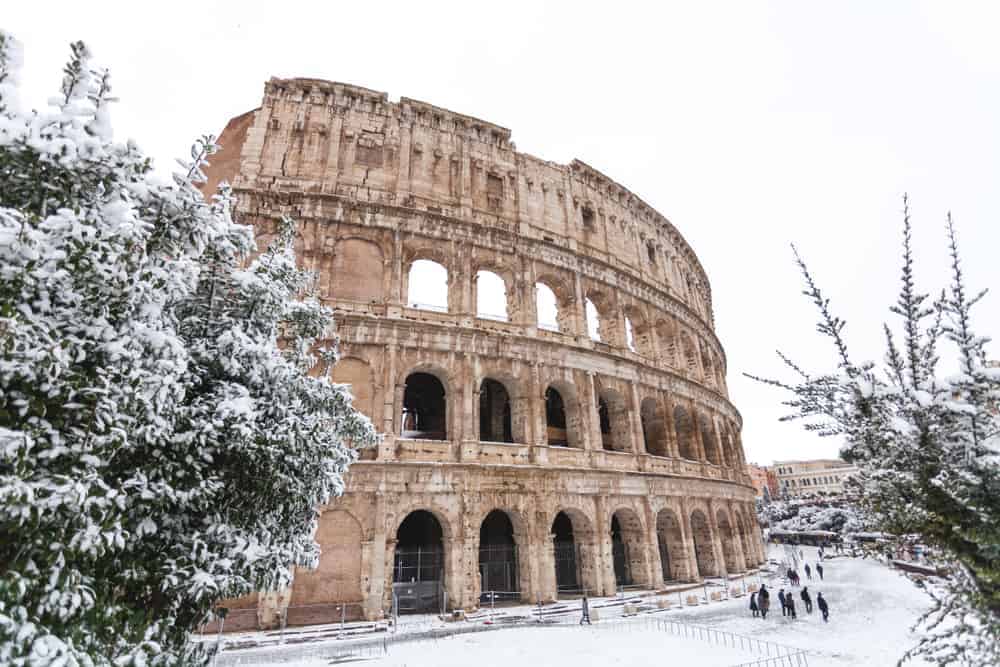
column 611, row 462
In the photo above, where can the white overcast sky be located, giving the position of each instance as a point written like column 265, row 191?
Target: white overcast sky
column 750, row 125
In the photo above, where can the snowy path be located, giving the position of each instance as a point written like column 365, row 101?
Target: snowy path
column 871, row 610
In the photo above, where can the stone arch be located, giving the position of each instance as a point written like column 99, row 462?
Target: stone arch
column 317, row 593
column 547, row 308
column 638, row 326
column 708, row 440
column 499, row 562
column 420, row 561
column 670, row 542
column 357, row 374
column 727, row 538
column 654, row 430
column 612, row 411
column 690, row 354
column 354, row 272
column 575, row 552
column 562, row 415
column 628, row 548
column 669, row 342
column 704, row 550
column 427, row 283
column 598, row 303
column 562, row 290
column 491, row 296
column 744, row 538
column 684, row 430
column 425, row 405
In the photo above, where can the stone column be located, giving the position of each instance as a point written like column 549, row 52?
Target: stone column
column 653, row 560
column 688, row 534
column 376, row 584
column 673, row 447
column 699, row 444
column 589, row 415
column 635, row 416
column 605, row 560
column 405, row 151
column 720, row 555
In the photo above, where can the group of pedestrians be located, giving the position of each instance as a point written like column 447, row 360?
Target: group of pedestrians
column 760, row 602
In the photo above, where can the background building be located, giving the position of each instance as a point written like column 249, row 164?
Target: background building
column 764, row 480
column 796, row 478
column 575, row 436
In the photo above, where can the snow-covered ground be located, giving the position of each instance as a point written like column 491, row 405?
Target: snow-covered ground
column 871, row 610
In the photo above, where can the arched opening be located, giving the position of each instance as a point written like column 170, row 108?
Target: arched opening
column 498, row 568
column 704, row 553
column 654, row 431
column 418, row 563
column 728, row 541
column 555, row 419
column 491, row 296
column 593, row 320
column 630, row 335
column 619, row 554
column 741, row 531
column 670, row 540
column 708, row 439
column 565, row 552
column 428, row 286
column 684, row 429
column 424, row 408
column 547, row 307
column 627, row 549
column 613, row 416
column 562, row 415
column 666, row 332
column 690, row 355
column 706, row 363
column 494, row 412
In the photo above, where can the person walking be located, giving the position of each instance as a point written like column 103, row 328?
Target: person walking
column 790, row 603
column 809, row 574
column 821, row 603
column 781, row 599
column 753, row 605
column 819, row 571
column 763, row 601
column 807, row 600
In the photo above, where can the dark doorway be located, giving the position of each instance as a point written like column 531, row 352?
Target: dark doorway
column 619, row 554
column 564, row 546
column 555, row 418
column 498, row 572
column 605, row 417
column 418, row 564
column 424, row 408
column 494, row 412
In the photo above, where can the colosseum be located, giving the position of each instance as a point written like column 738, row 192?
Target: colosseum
column 572, row 435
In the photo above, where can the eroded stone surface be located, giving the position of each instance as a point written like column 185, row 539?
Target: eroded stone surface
column 644, row 458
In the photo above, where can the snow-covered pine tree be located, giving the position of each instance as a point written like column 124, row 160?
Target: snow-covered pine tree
column 927, row 445
column 159, row 449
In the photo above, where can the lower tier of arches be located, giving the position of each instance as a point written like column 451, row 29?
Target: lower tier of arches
column 455, row 537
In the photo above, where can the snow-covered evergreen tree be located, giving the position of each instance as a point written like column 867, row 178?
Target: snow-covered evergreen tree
column 159, row 449
column 927, row 445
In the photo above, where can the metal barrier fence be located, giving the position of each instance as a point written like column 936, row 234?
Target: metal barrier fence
column 775, row 654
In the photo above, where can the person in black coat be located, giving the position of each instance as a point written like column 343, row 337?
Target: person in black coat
column 821, row 603
column 790, row 603
column 753, row 605
column 819, row 571
column 807, row 599
column 781, row 599
column 809, row 574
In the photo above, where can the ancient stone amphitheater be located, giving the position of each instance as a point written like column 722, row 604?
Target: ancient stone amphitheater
column 573, row 435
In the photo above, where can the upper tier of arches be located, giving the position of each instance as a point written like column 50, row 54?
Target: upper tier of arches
column 329, row 138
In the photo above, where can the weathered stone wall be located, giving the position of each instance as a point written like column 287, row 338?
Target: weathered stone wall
column 378, row 185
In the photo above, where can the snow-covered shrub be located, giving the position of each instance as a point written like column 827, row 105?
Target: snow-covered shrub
column 927, row 445
column 159, row 450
